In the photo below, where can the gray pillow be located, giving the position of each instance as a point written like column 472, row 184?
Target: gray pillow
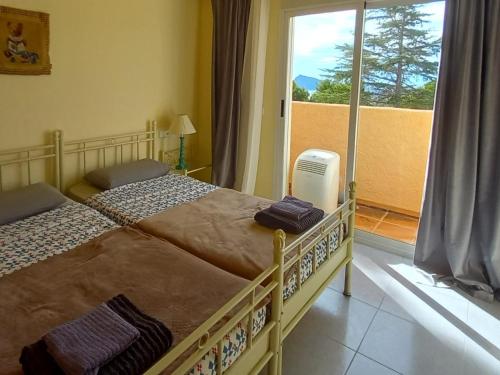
column 141, row 170
column 28, row 201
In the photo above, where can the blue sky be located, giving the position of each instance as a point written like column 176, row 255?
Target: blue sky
column 315, row 35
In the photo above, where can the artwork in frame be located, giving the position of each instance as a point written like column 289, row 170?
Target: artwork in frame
column 24, row 42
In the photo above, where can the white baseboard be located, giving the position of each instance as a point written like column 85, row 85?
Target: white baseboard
column 384, row 244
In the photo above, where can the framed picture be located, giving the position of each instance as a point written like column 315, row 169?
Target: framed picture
column 24, row 42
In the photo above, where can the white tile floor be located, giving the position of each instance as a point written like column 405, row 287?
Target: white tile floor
column 396, row 322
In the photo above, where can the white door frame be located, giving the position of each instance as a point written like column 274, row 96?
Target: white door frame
column 282, row 140
column 282, row 149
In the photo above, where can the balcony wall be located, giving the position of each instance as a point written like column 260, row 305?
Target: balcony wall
column 392, row 154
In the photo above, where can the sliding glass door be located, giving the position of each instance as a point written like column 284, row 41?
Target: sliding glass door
column 320, row 107
column 361, row 83
column 401, row 50
column 316, row 114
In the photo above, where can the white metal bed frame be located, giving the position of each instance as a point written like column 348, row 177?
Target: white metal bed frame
column 266, row 347
column 307, row 291
column 108, row 149
column 26, row 156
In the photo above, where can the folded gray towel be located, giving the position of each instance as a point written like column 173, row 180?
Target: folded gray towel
column 82, row 346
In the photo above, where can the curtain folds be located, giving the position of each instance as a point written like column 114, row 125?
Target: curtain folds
column 459, row 233
column 252, row 97
column 231, row 19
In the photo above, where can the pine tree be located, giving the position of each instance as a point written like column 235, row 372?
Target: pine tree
column 397, row 58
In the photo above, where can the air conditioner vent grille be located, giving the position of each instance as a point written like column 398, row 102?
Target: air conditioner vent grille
column 311, row 166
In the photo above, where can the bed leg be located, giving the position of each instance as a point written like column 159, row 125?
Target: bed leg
column 350, row 235
column 277, row 303
column 347, row 280
column 276, row 363
column 280, row 364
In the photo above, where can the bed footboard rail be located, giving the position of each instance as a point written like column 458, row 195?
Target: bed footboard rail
column 241, row 306
column 315, row 258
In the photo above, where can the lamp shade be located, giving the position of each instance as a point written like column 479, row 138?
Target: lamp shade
column 182, row 125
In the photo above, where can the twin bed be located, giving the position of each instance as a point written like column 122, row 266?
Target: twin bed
column 186, row 252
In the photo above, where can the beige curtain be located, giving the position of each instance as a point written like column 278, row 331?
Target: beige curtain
column 252, row 96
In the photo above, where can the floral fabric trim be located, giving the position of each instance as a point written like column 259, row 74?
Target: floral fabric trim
column 233, row 346
column 306, row 265
column 131, row 203
column 38, row 237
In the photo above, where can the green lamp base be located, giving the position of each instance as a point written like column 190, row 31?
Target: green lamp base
column 182, row 163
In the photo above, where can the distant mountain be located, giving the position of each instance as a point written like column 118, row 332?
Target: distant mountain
column 308, row 83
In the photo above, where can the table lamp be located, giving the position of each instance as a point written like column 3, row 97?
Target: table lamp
column 182, row 125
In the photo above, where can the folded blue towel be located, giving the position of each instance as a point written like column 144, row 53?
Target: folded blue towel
column 271, row 220
column 82, row 346
column 297, row 201
column 290, row 210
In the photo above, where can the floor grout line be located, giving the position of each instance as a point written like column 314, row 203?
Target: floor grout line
column 340, row 342
column 376, row 226
column 350, row 363
column 367, row 329
column 381, row 302
column 363, row 339
column 356, row 298
column 384, row 216
column 380, row 363
column 383, row 220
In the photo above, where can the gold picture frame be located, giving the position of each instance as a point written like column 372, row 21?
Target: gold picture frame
column 24, row 42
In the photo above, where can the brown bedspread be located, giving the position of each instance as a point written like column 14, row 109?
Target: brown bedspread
column 220, row 229
column 165, row 282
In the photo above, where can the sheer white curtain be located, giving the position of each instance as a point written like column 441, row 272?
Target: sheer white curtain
column 252, row 96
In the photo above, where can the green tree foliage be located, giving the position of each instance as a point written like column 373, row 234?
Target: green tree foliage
column 299, row 94
column 329, row 91
column 398, row 55
column 420, row 97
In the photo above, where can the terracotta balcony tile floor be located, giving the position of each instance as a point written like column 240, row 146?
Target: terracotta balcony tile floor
column 386, row 223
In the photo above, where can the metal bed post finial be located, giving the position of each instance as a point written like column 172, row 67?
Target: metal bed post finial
column 350, row 235
column 277, row 302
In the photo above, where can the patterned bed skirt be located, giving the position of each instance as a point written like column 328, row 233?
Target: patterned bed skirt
column 306, row 264
column 235, row 342
column 233, row 345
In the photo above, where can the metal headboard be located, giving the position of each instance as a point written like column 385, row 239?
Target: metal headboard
column 108, row 150
column 24, row 158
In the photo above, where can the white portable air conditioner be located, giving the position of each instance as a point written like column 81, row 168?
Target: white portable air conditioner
column 316, row 178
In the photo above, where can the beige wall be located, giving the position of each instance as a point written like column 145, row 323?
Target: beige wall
column 392, row 148
column 264, row 183
column 116, row 64
column 266, row 156
column 204, row 89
